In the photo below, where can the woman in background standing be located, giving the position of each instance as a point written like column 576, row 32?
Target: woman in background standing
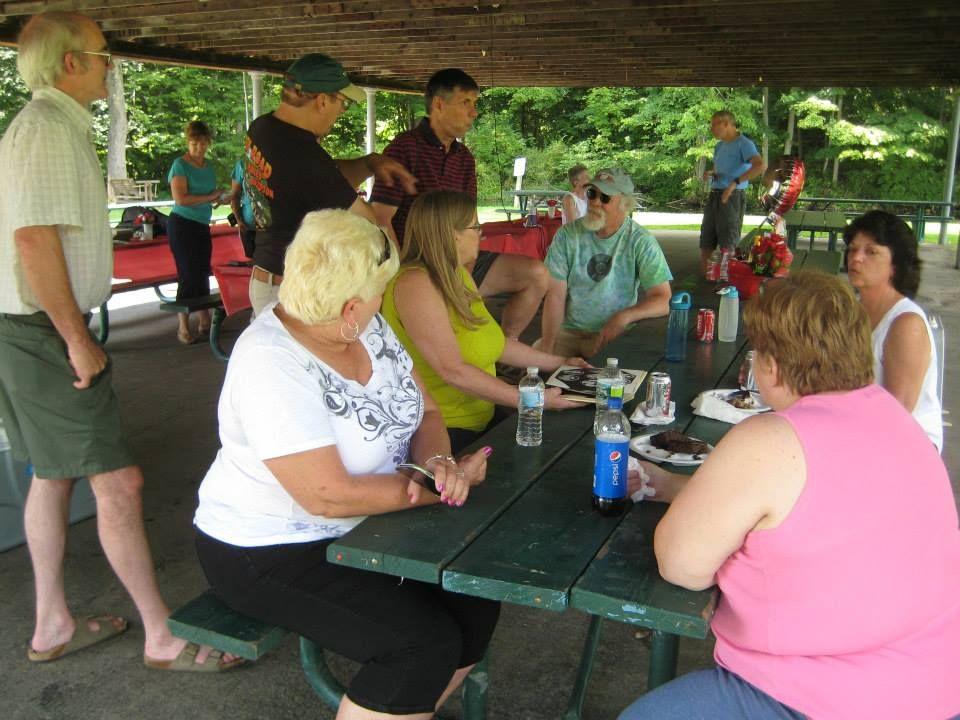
column 575, row 202
column 193, row 185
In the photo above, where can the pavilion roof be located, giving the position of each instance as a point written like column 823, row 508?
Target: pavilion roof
column 572, row 43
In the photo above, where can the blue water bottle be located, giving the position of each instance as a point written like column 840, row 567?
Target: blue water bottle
column 677, row 327
column 611, row 451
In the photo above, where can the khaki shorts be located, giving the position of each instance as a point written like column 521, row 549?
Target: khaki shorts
column 62, row 431
column 570, row 343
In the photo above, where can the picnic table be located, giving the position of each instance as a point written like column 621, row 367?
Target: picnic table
column 149, row 263
column 918, row 212
column 514, row 238
column 813, row 221
column 528, row 535
column 525, row 196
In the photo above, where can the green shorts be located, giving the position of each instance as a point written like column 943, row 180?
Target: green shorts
column 62, row 431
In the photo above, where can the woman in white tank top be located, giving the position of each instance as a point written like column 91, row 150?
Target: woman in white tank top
column 882, row 263
column 574, row 203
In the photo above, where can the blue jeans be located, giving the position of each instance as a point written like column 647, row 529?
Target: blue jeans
column 708, row 695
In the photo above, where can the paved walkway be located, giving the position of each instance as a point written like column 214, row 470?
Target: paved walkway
column 169, row 394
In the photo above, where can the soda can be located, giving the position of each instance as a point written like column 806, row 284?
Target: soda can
column 658, row 395
column 706, row 321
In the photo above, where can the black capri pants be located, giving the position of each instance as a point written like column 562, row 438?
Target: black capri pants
column 191, row 246
column 410, row 636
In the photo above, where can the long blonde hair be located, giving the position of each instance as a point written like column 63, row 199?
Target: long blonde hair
column 430, row 242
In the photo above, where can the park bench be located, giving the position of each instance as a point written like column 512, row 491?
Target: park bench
column 207, row 620
column 210, row 302
column 828, row 261
column 124, row 190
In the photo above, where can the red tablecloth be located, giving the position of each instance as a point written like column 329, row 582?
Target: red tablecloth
column 234, row 284
column 150, row 262
column 511, row 237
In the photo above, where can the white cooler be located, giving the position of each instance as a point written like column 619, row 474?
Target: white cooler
column 14, row 482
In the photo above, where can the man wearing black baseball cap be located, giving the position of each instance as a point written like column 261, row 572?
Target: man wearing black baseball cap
column 289, row 174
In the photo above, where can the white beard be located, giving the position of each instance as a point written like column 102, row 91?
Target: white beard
column 595, row 219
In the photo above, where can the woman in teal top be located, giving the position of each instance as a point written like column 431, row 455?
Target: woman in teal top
column 435, row 309
column 194, row 188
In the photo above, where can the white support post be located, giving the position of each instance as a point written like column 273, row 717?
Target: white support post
column 256, row 78
column 951, row 172
column 371, row 130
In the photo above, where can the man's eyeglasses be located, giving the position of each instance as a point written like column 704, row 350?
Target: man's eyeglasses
column 593, row 194
column 108, row 56
column 347, row 102
column 385, row 255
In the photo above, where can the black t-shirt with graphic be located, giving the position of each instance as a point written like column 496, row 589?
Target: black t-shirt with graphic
column 287, row 175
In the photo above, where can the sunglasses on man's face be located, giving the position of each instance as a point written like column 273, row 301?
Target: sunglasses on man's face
column 593, row 194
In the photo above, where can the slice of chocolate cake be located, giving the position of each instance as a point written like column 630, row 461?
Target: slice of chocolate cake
column 676, row 442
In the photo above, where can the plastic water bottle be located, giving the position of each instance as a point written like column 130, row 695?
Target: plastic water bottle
column 611, row 450
column 725, row 265
column 607, row 378
column 729, row 314
column 530, row 409
column 677, row 327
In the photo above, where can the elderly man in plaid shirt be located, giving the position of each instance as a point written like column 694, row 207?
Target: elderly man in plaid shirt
column 56, row 399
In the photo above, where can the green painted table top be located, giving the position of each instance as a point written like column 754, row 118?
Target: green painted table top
column 528, row 534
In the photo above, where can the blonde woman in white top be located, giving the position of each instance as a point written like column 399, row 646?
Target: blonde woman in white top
column 574, row 203
column 883, row 265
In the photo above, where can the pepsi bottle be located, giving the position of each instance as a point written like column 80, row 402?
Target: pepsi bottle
column 610, row 456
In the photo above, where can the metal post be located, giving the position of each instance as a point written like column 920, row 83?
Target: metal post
column 371, row 130
column 256, row 78
column 663, row 659
column 766, row 126
column 318, row 674
column 475, row 691
column 575, row 705
column 951, row 170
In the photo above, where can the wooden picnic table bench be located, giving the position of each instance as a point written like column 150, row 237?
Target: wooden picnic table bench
column 828, row 261
column 814, row 221
column 207, row 620
column 917, row 212
column 149, row 263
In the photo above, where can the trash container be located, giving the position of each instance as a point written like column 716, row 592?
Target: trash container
column 14, row 482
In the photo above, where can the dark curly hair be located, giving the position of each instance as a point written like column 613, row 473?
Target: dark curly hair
column 887, row 229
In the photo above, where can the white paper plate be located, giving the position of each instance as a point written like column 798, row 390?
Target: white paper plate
column 641, row 445
column 759, row 406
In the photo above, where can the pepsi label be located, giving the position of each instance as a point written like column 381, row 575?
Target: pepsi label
column 610, row 466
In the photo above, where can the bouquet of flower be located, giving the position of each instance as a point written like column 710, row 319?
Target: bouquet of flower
column 145, row 218
column 770, row 255
column 551, row 208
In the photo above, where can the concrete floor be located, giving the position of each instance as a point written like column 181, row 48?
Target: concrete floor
column 169, row 395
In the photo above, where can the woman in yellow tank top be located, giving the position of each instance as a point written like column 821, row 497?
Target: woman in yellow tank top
column 434, row 308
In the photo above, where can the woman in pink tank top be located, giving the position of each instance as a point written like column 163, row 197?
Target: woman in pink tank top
column 830, row 528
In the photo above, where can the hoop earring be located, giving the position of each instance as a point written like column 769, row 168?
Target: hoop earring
column 354, row 328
